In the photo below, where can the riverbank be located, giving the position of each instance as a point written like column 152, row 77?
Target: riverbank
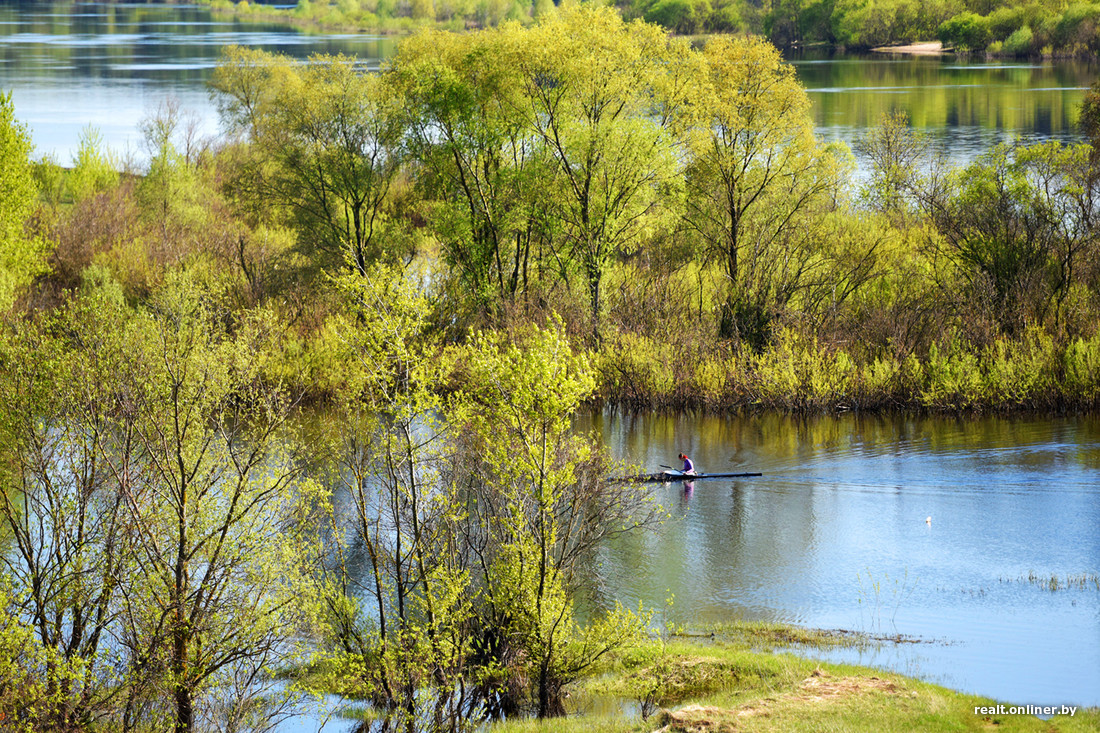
column 743, row 681
column 933, row 48
column 743, row 677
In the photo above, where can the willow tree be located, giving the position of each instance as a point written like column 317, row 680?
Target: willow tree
column 476, row 163
column 328, row 138
column 217, row 506
column 538, row 504
column 1019, row 226
column 153, row 527
column 756, row 176
column 590, row 82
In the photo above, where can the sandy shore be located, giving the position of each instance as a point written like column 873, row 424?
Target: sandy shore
column 915, row 49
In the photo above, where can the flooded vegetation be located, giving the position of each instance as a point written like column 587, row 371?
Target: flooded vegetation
column 331, row 403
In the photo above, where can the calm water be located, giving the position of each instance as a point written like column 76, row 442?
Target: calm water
column 70, row 65
column 965, row 106
column 842, row 508
column 834, row 534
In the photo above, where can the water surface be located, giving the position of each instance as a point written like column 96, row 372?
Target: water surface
column 110, row 65
column 965, row 106
column 836, row 535
column 70, row 65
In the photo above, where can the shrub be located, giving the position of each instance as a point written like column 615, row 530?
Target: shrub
column 952, row 377
column 681, row 16
column 1082, row 369
column 966, row 31
column 725, row 20
column 635, row 370
column 1020, row 43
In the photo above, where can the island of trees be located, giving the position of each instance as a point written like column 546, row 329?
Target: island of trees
column 1008, row 27
column 445, row 261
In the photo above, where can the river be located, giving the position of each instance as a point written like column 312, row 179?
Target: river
column 947, row 531
column 70, row 65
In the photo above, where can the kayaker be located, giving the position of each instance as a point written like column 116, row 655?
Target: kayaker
column 689, row 467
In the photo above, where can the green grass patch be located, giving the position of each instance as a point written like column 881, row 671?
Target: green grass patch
column 766, row 635
column 699, row 683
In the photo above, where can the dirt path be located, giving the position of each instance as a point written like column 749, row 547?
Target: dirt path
column 820, row 687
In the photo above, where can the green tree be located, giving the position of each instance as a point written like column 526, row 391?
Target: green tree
column 590, row 82
column 94, row 169
column 894, row 152
column 680, row 16
column 151, row 521
column 792, row 22
column 216, row 496
column 22, row 257
column 755, row 174
column 965, row 32
column 540, row 503
column 476, row 161
column 1090, row 119
column 399, row 621
column 63, row 517
column 328, row 140
column 1018, row 223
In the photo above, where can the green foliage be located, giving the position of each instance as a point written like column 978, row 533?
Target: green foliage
column 956, row 375
column 794, row 367
column 1078, row 27
column 150, row 509
column 637, row 369
column 758, row 182
column 966, row 32
column 1082, row 367
column 390, row 15
column 680, row 16
column 22, row 256
column 869, row 23
column 327, row 147
column 895, row 152
column 1021, row 42
column 94, row 169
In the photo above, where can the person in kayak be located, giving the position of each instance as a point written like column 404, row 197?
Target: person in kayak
column 689, row 467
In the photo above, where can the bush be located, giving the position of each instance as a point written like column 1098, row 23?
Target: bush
column 798, row 371
column 1078, row 28
column 635, row 370
column 725, row 20
column 966, row 32
column 681, row 16
column 1082, row 368
column 1003, row 22
column 952, row 377
column 1020, row 43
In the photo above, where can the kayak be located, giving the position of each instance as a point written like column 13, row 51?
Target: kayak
column 674, row 475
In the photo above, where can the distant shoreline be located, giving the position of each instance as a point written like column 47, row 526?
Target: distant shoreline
column 932, row 48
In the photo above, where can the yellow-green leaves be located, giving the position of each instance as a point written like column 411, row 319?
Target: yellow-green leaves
column 22, row 257
column 757, row 180
column 534, row 376
column 327, row 143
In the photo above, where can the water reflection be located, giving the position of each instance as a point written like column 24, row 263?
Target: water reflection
column 108, row 65
column 966, row 107
column 72, row 65
column 835, row 534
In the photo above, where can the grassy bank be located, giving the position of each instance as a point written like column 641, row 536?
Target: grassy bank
column 796, row 373
column 742, row 679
